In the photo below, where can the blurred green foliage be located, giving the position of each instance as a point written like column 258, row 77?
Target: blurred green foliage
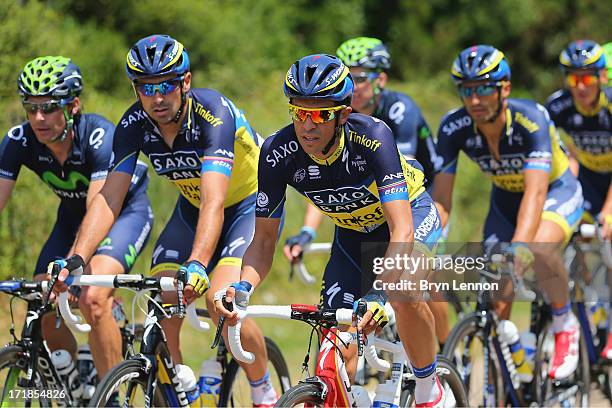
column 243, row 48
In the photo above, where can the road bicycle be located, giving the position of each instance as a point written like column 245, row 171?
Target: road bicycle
column 330, row 386
column 149, row 377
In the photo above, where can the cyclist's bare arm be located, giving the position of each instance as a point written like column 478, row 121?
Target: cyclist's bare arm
column 312, row 220
column 443, row 194
column 606, row 211
column 6, row 188
column 532, row 204
column 213, row 189
column 94, row 188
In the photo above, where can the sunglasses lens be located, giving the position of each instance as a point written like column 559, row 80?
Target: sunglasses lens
column 316, row 116
column 45, row 108
column 465, row 92
column 574, row 79
column 164, row 88
column 485, row 90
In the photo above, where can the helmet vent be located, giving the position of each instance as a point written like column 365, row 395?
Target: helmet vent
column 309, row 74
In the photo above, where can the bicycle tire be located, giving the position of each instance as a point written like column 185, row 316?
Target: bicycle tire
column 448, row 375
column 276, row 359
column 127, row 371
column 302, row 393
column 15, row 356
column 468, row 328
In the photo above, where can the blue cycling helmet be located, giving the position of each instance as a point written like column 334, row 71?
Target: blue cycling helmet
column 319, row 76
column 156, row 55
column 480, row 62
column 582, row 54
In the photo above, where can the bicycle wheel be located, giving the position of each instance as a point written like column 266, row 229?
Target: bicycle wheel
column 125, row 385
column 235, row 389
column 465, row 348
column 450, row 379
column 300, row 395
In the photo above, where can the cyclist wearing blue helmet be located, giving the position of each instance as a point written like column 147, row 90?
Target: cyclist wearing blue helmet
column 349, row 166
column 584, row 112
column 199, row 141
column 69, row 151
column 535, row 198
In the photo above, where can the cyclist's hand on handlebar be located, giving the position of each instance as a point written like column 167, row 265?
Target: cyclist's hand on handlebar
column 240, row 292
column 606, row 225
column 66, row 267
column 375, row 317
column 294, row 245
column 521, row 256
column 195, row 278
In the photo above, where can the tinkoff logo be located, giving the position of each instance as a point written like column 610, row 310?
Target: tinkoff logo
column 69, row 184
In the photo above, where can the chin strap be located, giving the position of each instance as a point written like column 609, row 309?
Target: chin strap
column 499, row 106
column 69, row 123
column 182, row 108
column 337, row 131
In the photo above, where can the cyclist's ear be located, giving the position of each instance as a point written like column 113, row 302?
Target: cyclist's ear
column 344, row 114
column 187, row 82
column 382, row 79
column 505, row 89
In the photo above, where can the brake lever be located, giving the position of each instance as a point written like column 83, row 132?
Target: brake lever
column 230, row 307
column 55, row 270
column 361, row 309
column 180, row 286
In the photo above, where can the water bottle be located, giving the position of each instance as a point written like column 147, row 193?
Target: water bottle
column 508, row 333
column 530, row 344
column 210, row 382
column 63, row 363
column 87, row 371
column 361, row 396
column 590, row 303
column 190, row 384
column 386, row 396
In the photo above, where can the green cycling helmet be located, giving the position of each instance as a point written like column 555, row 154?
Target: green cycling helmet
column 57, row 77
column 607, row 48
column 365, row 52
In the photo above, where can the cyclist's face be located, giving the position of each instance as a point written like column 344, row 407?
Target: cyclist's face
column 482, row 108
column 163, row 108
column 314, row 137
column 364, row 87
column 586, row 95
column 48, row 126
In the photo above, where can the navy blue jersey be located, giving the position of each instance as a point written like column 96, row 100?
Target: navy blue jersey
column 530, row 141
column 88, row 160
column 411, row 132
column 590, row 133
column 214, row 137
column 364, row 171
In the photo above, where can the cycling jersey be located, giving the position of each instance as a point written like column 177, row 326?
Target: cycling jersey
column 214, row 137
column 363, row 172
column 412, row 135
column 88, row 161
column 530, row 141
column 590, row 133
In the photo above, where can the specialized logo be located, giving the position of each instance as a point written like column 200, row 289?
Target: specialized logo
column 207, row 115
column 69, row 184
column 331, row 292
column 281, row 152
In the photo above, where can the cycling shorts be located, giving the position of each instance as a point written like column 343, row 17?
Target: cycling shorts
column 563, row 206
column 175, row 243
column 348, row 274
column 124, row 242
column 595, row 190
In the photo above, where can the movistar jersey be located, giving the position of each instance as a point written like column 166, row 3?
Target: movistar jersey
column 529, row 141
column 364, row 171
column 590, row 133
column 88, row 161
column 412, row 135
column 215, row 136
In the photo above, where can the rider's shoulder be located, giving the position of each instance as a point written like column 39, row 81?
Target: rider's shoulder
column 528, row 113
column 454, row 122
column 133, row 116
column 559, row 101
column 20, row 134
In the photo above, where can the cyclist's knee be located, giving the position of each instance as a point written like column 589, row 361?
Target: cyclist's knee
column 95, row 304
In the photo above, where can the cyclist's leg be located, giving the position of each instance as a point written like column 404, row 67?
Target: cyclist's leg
column 236, row 235
column 116, row 254
column 561, row 216
column 57, row 246
column 172, row 248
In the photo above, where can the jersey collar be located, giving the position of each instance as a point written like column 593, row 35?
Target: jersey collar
column 602, row 103
column 508, row 124
column 334, row 156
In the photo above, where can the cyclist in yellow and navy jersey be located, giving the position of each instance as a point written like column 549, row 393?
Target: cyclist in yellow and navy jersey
column 349, row 166
column 535, row 198
column 201, row 142
column 584, row 112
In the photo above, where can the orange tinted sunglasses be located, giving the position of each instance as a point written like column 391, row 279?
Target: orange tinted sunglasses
column 317, row 115
column 572, row 80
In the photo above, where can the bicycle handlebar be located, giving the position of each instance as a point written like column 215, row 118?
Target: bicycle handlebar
column 122, row 281
column 300, row 267
column 594, row 231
